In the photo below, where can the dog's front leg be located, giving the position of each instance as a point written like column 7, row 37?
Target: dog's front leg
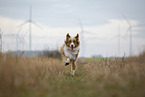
column 67, row 61
column 73, row 67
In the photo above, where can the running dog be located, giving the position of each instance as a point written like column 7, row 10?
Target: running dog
column 69, row 51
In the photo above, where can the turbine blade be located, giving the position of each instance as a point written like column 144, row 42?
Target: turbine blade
column 9, row 35
column 36, row 24
column 127, row 20
column 139, row 25
column 23, row 24
column 126, row 33
column 19, row 30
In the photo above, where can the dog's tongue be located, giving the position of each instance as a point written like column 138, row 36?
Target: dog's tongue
column 72, row 48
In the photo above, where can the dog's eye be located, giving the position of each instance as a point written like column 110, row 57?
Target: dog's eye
column 70, row 41
column 74, row 41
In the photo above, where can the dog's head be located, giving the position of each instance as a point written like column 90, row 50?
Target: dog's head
column 72, row 42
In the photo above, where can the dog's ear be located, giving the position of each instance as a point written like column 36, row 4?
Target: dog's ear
column 67, row 36
column 77, row 39
column 77, row 36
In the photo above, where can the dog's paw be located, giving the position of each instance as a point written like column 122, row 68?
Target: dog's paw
column 67, row 60
column 66, row 64
column 72, row 75
column 74, row 58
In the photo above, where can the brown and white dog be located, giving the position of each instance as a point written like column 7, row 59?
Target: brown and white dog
column 69, row 51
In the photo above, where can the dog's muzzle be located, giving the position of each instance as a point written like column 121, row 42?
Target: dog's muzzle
column 72, row 47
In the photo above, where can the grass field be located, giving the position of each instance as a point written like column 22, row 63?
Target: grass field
column 48, row 77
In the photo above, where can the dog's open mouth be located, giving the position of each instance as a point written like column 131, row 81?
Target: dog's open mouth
column 72, row 48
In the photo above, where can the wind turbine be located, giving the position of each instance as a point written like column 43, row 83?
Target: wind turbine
column 30, row 33
column 118, row 36
column 130, row 30
column 0, row 41
column 82, row 37
column 17, row 37
column 118, row 40
column 20, row 39
column 30, row 25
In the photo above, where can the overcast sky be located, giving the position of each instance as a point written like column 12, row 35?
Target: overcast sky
column 102, row 19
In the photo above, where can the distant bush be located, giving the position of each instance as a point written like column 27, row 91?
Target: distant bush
column 142, row 54
column 51, row 54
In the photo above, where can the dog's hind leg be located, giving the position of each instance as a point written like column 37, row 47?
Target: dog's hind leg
column 73, row 68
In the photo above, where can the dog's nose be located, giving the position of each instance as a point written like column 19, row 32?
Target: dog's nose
column 72, row 46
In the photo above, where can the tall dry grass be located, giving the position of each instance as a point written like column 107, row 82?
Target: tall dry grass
column 48, row 77
column 19, row 74
column 118, row 77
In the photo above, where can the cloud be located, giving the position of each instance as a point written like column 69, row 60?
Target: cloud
column 65, row 13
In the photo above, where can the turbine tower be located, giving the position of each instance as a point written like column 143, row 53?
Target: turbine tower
column 82, row 38
column 130, row 30
column 118, row 40
column 30, row 31
column 119, row 37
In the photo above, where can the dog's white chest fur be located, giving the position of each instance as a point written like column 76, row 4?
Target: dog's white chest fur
column 71, row 53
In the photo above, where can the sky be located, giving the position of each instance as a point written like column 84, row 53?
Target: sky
column 101, row 20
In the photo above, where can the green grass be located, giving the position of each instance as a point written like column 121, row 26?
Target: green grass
column 48, row 77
